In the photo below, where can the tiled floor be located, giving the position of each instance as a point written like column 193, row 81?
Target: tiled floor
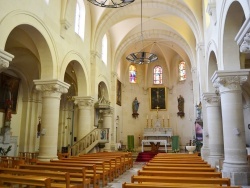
column 126, row 176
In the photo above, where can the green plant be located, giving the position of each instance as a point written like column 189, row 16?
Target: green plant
column 198, row 144
column 5, row 151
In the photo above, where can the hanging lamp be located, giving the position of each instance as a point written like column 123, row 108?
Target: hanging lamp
column 141, row 57
column 111, row 3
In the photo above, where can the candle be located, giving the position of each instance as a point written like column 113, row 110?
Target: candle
column 151, row 117
column 162, row 116
column 147, row 116
column 168, row 116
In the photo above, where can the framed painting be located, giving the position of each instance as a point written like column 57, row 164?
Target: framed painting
column 119, row 93
column 158, row 97
column 9, row 86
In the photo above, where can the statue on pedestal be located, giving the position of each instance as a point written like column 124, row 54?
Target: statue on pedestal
column 135, row 107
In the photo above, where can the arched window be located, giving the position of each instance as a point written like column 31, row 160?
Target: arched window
column 157, row 74
column 182, row 71
column 105, row 49
column 80, row 18
column 132, row 74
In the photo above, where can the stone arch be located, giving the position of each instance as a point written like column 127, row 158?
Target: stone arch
column 38, row 33
column 232, row 18
column 212, row 64
column 80, row 70
column 182, row 47
column 177, row 8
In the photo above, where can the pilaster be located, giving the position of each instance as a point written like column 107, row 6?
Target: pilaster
column 215, row 130
column 51, row 95
column 228, row 84
column 85, row 107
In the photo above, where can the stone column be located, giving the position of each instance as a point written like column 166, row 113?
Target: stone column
column 51, row 95
column 107, row 123
column 205, row 142
column 235, row 165
column 215, row 131
column 5, row 58
column 85, row 106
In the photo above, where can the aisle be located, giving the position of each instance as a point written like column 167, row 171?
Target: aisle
column 126, row 176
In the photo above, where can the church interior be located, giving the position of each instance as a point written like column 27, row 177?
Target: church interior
column 135, row 75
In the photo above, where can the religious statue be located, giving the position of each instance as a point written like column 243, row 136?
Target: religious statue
column 198, row 110
column 135, row 107
column 180, row 100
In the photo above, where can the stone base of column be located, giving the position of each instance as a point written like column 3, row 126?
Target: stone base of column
column 205, row 153
column 238, row 173
column 46, row 158
column 215, row 161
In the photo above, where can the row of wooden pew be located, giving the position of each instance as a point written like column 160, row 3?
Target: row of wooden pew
column 87, row 170
column 176, row 171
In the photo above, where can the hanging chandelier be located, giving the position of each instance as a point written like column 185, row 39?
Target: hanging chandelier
column 111, row 3
column 141, row 57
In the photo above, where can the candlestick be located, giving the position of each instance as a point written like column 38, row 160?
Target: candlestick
column 163, row 117
column 147, row 123
column 151, row 122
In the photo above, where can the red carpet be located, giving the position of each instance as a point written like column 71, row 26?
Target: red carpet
column 145, row 156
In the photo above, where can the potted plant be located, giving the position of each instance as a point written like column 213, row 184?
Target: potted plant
column 4, row 152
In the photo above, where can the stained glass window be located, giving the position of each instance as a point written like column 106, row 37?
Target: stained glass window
column 158, row 75
column 182, row 71
column 132, row 74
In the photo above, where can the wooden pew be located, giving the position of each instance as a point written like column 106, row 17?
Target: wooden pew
column 107, row 164
column 127, row 155
column 77, row 174
column 116, row 162
column 90, row 170
column 160, row 168
column 186, row 180
column 28, row 181
column 61, row 177
column 105, row 174
column 172, row 185
column 178, row 165
column 179, row 174
column 178, row 162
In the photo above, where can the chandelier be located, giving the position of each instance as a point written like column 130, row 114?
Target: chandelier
column 111, row 3
column 141, row 57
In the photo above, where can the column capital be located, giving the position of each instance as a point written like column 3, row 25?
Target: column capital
column 52, row 88
column 5, row 58
column 229, row 80
column 245, row 46
column 83, row 102
column 212, row 99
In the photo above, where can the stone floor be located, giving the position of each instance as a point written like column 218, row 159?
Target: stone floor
column 126, row 177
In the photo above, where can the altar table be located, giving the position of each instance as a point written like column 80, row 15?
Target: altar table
column 148, row 141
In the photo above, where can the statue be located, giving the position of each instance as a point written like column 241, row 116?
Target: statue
column 135, row 107
column 180, row 100
column 198, row 110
